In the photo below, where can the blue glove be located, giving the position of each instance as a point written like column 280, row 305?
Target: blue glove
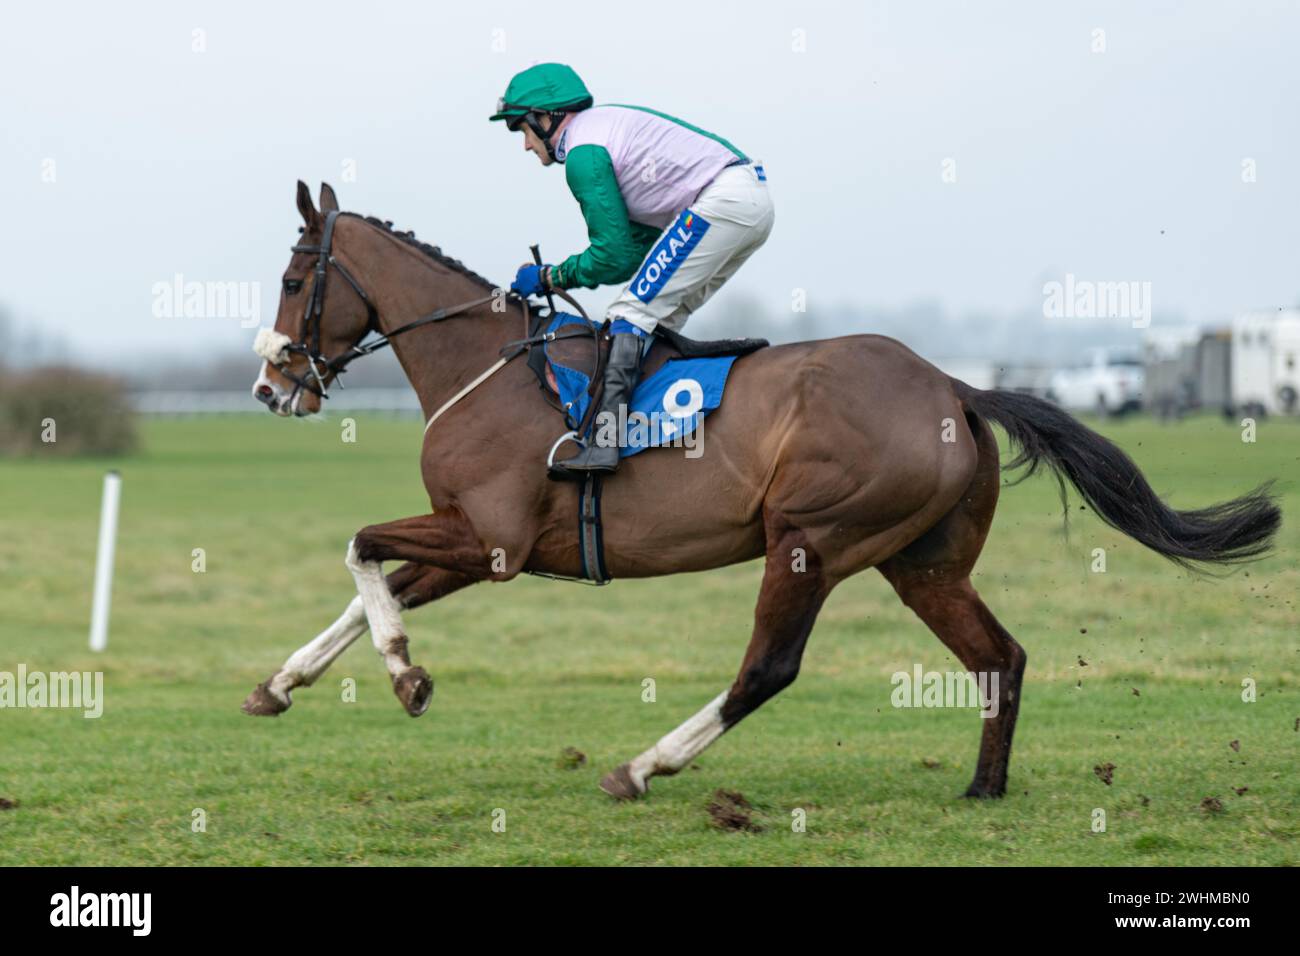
column 528, row 281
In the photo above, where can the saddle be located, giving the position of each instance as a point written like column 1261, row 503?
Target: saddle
column 581, row 354
column 580, row 348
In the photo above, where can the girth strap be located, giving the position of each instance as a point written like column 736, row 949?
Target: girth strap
column 591, row 537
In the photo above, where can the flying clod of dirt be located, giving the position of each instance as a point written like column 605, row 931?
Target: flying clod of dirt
column 1105, row 772
column 1212, row 805
column 729, row 810
column 1235, row 745
column 7, row 804
column 571, row 758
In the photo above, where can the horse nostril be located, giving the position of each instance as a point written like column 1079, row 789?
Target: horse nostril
column 264, row 393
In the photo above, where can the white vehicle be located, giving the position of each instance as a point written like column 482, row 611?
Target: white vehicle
column 1171, row 368
column 1108, row 382
column 1266, row 363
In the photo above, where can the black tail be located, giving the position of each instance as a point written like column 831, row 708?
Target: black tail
column 1116, row 490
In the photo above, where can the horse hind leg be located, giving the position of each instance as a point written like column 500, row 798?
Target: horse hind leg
column 954, row 612
column 932, row 576
column 788, row 603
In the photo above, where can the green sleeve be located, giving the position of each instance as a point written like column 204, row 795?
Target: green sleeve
column 617, row 245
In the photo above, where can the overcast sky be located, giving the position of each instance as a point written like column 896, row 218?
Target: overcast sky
column 1125, row 164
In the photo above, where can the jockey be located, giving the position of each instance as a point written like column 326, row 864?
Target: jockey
column 671, row 210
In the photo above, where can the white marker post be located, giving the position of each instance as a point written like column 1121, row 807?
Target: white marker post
column 104, row 561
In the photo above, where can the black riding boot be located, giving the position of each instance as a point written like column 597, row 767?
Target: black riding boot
column 621, row 374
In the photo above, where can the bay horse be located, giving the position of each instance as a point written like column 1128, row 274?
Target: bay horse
column 826, row 458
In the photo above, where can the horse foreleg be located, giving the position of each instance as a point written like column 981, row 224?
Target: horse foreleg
column 787, row 608
column 445, row 540
column 411, row 584
column 271, row 698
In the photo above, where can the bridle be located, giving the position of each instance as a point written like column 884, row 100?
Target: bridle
column 320, row 367
column 308, row 344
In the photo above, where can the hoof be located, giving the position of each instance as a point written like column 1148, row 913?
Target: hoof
column 620, row 784
column 984, row 793
column 414, row 689
column 263, row 703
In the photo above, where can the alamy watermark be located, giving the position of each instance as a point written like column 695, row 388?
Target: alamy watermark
column 671, row 428
column 192, row 299
column 946, row 689
column 133, row 911
column 1085, row 299
column 76, row 690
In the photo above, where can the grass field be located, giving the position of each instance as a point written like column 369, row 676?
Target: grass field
column 527, row 669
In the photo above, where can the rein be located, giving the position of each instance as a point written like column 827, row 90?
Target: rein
column 319, row 366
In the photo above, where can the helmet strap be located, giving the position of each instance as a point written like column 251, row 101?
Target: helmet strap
column 535, row 124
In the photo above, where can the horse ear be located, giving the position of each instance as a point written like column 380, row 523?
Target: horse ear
column 309, row 214
column 328, row 201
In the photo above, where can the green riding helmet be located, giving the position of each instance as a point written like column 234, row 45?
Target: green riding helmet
column 551, row 88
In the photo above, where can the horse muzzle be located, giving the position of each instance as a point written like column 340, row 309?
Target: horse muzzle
column 273, row 397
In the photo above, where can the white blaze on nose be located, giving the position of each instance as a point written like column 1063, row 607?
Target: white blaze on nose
column 276, row 403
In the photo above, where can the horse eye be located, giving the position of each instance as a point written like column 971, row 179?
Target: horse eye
column 292, row 286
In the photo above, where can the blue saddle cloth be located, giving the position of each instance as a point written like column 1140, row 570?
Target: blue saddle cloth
column 666, row 406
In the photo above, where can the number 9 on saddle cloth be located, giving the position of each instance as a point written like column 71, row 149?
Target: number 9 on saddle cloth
column 667, row 406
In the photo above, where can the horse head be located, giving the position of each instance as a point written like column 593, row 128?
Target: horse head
column 303, row 353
